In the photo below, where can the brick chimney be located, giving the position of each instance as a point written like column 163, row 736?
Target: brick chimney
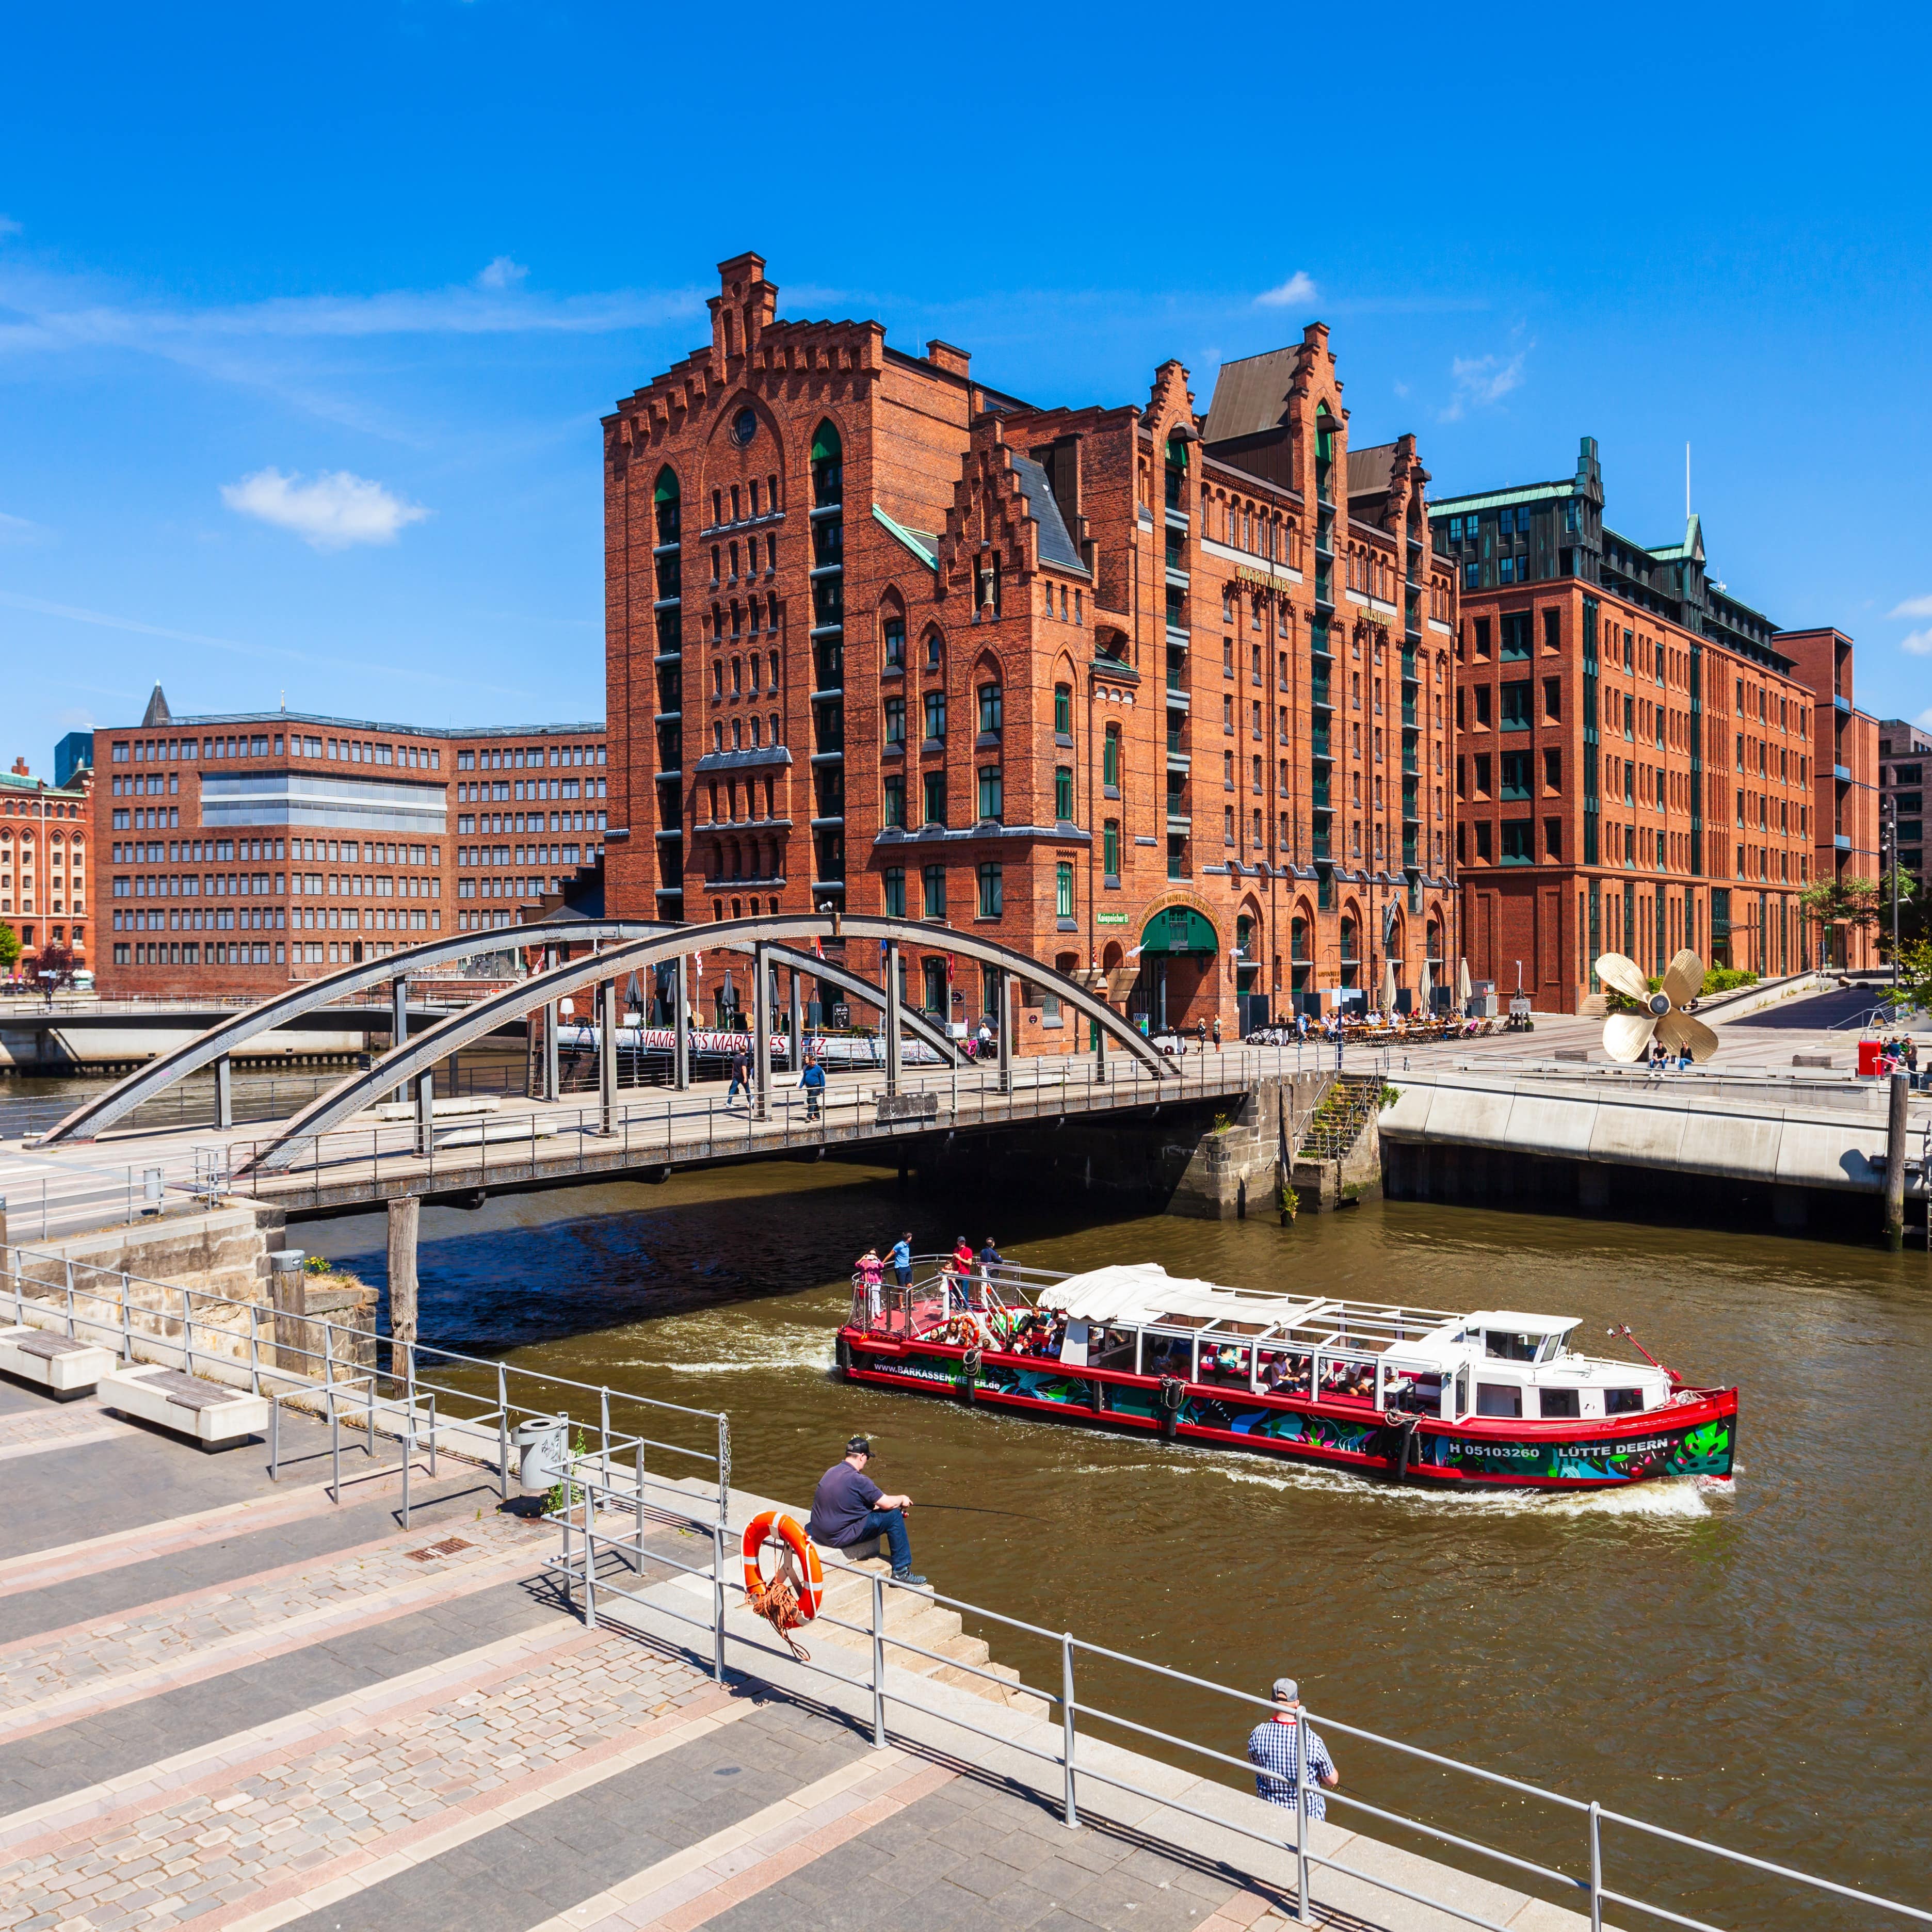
column 20, row 768
column 943, row 356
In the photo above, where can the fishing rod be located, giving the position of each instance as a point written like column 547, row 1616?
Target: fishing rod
column 980, row 1509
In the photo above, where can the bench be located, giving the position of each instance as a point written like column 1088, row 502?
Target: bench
column 65, row 1369
column 212, row 1415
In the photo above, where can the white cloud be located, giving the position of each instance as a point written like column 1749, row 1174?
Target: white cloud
column 1481, row 380
column 503, row 273
column 1297, row 291
column 1914, row 606
column 8, row 226
column 21, row 530
column 336, row 510
column 1918, row 643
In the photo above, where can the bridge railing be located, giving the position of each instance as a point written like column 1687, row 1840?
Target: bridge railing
column 600, row 1565
column 654, row 1126
column 430, row 1398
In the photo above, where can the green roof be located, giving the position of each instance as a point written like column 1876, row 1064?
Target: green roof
column 923, row 544
column 1495, row 500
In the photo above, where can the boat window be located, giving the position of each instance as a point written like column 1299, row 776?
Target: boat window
column 1167, row 1355
column 1111, row 1348
column 1462, row 1395
column 1498, row 1399
column 1501, row 1346
column 1552, row 1347
column 1224, row 1362
column 1552, row 1402
column 1284, row 1371
column 1622, row 1402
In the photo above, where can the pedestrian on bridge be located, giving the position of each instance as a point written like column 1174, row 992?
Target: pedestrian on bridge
column 741, row 1076
column 813, row 1080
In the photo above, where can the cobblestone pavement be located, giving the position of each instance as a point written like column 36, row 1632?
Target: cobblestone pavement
column 53, row 1677
column 34, row 1432
column 410, row 1732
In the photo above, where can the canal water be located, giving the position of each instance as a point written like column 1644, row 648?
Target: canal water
column 1750, row 1661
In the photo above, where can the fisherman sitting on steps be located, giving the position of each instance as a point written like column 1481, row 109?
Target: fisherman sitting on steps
column 848, row 1508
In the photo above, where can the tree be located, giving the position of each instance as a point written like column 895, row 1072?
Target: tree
column 9, row 947
column 54, row 966
column 1914, row 974
column 1851, row 902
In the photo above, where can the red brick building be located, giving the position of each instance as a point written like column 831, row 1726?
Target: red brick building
column 1143, row 694
column 1847, row 795
column 1644, row 762
column 249, row 850
column 46, row 832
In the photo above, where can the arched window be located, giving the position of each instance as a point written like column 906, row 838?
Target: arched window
column 828, row 473
column 1177, row 471
column 1298, row 939
column 665, row 497
column 1110, row 758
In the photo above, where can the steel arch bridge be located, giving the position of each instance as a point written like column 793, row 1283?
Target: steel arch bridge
column 215, row 1047
column 411, row 1063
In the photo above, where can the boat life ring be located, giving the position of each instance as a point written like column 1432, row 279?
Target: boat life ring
column 790, row 1596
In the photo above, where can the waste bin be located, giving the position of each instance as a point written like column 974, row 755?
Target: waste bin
column 1868, row 1057
column 543, row 1453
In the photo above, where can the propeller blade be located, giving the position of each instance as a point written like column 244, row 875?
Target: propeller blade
column 1627, row 1036
column 1624, row 975
column 1683, row 978
column 1677, row 1030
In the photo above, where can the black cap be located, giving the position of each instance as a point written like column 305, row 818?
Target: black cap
column 859, row 1445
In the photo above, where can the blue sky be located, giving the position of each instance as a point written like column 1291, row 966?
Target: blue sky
column 307, row 315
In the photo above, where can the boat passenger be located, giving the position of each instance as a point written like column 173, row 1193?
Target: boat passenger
column 869, row 1273
column 901, row 1258
column 990, row 1259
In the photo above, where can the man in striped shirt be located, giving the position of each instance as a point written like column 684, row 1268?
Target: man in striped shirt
column 1271, row 1750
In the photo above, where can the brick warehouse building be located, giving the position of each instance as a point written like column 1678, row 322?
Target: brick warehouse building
column 1144, row 694
column 46, row 851
column 247, row 850
column 1643, row 762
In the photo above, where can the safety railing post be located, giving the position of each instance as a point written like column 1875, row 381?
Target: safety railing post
column 409, row 1454
column 432, row 1434
column 1072, row 1814
column 188, row 1330
column 589, row 1558
column 70, row 1298
column 335, row 1448
column 502, row 1436
column 1596, row 1867
column 604, row 1435
column 878, row 1661
column 274, row 1438
column 1303, row 1909
column 724, row 1471
column 638, row 1547
column 717, row 1602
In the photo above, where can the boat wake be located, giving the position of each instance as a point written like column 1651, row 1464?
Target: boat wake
column 1680, row 1498
column 789, row 1347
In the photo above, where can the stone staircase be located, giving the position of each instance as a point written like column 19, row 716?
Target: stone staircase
column 912, row 1618
column 1336, row 1125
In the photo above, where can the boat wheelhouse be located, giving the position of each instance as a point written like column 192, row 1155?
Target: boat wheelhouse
column 1498, row 1396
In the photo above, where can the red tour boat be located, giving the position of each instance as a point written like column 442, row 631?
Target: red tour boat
column 1497, row 1398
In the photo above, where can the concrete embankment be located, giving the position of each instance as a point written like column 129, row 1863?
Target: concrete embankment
column 1794, row 1154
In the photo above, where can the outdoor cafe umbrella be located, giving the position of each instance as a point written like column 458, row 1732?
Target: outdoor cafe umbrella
column 1425, row 989
column 1463, row 990
column 1388, row 986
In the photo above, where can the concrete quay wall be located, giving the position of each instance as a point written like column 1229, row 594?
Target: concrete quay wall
column 1615, row 1143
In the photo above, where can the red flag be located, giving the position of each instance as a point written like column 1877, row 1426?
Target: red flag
column 949, row 963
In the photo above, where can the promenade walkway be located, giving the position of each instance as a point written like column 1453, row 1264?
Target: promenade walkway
column 236, row 1704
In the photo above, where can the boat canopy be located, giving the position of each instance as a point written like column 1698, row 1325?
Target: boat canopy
column 1144, row 1295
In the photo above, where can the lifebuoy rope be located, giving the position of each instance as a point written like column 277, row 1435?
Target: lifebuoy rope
column 777, row 1602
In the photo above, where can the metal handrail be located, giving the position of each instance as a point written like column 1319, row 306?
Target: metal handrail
column 578, row 1574
column 138, row 1329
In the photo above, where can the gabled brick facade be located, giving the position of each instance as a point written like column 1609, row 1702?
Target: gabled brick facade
column 881, row 637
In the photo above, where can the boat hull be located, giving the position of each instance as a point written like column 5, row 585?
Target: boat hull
column 1697, row 1437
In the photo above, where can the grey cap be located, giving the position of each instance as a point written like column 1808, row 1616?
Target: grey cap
column 1286, row 1690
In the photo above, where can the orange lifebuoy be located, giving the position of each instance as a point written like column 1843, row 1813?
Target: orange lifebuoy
column 798, row 1566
